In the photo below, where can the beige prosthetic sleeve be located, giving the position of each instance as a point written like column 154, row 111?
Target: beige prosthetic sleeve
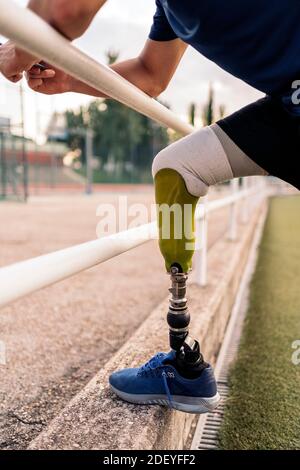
column 199, row 158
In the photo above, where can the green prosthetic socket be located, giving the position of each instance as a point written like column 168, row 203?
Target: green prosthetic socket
column 176, row 219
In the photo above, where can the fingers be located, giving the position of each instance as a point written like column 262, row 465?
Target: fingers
column 35, row 77
column 35, row 72
column 34, row 83
column 45, row 65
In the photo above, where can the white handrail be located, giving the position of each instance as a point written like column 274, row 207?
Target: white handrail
column 25, row 277
column 34, row 35
column 217, row 204
column 28, row 276
column 232, row 230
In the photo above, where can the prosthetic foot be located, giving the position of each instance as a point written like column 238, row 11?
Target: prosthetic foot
column 179, row 379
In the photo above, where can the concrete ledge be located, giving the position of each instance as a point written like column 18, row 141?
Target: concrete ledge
column 96, row 419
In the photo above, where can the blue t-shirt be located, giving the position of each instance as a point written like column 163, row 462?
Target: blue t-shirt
column 258, row 41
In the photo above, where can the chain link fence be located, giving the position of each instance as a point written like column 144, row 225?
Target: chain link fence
column 44, row 148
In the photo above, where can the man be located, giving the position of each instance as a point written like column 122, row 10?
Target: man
column 255, row 40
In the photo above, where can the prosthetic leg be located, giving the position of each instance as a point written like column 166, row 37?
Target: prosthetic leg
column 182, row 174
column 177, row 251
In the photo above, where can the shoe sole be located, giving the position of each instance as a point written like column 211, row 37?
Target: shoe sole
column 195, row 405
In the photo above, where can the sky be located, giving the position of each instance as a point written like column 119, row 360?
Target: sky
column 123, row 25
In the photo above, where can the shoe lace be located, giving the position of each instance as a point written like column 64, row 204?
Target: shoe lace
column 153, row 366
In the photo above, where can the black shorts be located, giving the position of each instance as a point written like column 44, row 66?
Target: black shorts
column 269, row 135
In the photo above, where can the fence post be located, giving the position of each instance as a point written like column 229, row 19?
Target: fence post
column 3, row 165
column 201, row 246
column 232, row 232
column 89, row 156
column 24, row 152
column 245, row 208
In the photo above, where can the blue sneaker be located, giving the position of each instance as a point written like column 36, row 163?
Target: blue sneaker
column 158, row 383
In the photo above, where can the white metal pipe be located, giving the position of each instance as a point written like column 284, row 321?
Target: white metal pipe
column 28, row 276
column 200, row 258
column 23, row 278
column 232, row 233
column 245, row 208
column 218, row 204
column 34, row 35
column 89, row 157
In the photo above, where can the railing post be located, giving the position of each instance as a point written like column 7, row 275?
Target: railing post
column 89, row 163
column 255, row 197
column 202, row 246
column 232, row 232
column 245, row 207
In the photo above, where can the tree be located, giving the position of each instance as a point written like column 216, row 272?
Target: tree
column 192, row 113
column 111, row 56
column 208, row 112
column 76, row 126
column 122, row 137
column 222, row 111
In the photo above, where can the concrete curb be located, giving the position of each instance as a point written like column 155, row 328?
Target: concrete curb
column 96, row 419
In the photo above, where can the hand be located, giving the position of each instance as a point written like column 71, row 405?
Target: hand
column 50, row 81
column 14, row 61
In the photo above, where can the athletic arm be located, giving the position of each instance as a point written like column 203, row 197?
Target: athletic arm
column 151, row 71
